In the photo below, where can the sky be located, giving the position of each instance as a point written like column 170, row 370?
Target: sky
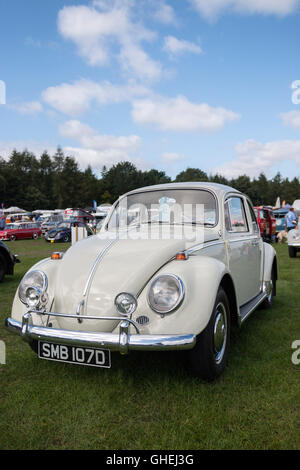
column 165, row 84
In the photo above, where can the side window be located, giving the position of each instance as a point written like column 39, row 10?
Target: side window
column 253, row 218
column 236, row 214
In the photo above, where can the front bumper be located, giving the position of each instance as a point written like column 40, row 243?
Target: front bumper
column 122, row 341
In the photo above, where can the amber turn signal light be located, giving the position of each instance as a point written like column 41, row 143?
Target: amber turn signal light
column 181, row 256
column 57, row 255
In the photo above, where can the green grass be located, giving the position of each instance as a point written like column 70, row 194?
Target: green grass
column 149, row 400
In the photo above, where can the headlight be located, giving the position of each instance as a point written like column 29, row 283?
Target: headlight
column 32, row 290
column 165, row 293
column 125, row 303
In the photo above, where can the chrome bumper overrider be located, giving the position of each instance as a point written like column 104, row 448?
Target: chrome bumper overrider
column 122, row 341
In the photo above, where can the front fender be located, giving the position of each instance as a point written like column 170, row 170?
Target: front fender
column 201, row 276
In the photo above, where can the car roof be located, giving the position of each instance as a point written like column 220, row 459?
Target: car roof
column 218, row 189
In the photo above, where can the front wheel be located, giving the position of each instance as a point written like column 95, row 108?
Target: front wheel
column 2, row 267
column 292, row 252
column 208, row 358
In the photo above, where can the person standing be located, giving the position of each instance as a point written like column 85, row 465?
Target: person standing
column 291, row 219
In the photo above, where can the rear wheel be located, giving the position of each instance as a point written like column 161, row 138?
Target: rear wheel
column 208, row 358
column 35, row 236
column 66, row 238
column 3, row 267
column 292, row 252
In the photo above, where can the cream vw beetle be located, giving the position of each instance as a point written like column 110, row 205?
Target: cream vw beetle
column 174, row 266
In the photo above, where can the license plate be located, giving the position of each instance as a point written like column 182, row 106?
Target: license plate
column 74, row 354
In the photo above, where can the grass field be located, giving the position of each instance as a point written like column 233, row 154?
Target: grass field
column 148, row 400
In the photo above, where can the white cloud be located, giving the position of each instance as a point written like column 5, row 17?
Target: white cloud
column 98, row 149
column 255, row 157
column 30, row 107
column 213, row 8
column 37, row 148
column 165, row 14
column 180, row 115
column 176, row 46
column 96, row 32
column 291, row 119
column 76, row 98
column 169, row 157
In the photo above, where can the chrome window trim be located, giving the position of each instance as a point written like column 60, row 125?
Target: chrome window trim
column 170, row 189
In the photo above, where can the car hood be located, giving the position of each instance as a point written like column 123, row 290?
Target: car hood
column 55, row 231
column 98, row 268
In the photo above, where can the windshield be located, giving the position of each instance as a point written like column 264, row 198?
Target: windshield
column 173, row 206
column 63, row 225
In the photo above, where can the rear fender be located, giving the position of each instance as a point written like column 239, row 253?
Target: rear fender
column 270, row 262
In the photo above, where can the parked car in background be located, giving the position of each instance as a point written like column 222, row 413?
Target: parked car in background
column 294, row 234
column 20, row 231
column 7, row 261
column 177, row 275
column 63, row 231
column 78, row 214
column 50, row 223
column 279, row 215
column 270, row 224
column 262, row 223
column 266, row 222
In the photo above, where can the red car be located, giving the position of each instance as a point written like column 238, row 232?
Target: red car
column 266, row 222
column 20, row 231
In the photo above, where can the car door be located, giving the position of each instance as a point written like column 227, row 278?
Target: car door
column 27, row 231
column 22, row 231
column 244, row 248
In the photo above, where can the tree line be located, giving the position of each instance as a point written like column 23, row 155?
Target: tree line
column 57, row 182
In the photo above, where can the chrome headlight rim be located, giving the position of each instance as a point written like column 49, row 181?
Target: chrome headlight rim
column 180, row 297
column 42, row 288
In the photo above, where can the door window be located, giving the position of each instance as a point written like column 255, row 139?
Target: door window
column 235, row 217
column 253, row 218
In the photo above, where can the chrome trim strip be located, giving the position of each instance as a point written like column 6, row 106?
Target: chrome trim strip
column 260, row 298
column 92, row 272
column 192, row 250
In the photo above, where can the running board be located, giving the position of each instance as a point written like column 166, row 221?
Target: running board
column 249, row 307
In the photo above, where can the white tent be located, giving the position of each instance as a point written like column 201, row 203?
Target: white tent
column 277, row 204
column 13, row 210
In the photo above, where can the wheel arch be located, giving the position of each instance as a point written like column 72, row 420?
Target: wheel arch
column 9, row 263
column 270, row 263
column 228, row 286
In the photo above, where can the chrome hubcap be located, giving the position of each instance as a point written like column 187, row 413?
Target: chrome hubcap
column 220, row 332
